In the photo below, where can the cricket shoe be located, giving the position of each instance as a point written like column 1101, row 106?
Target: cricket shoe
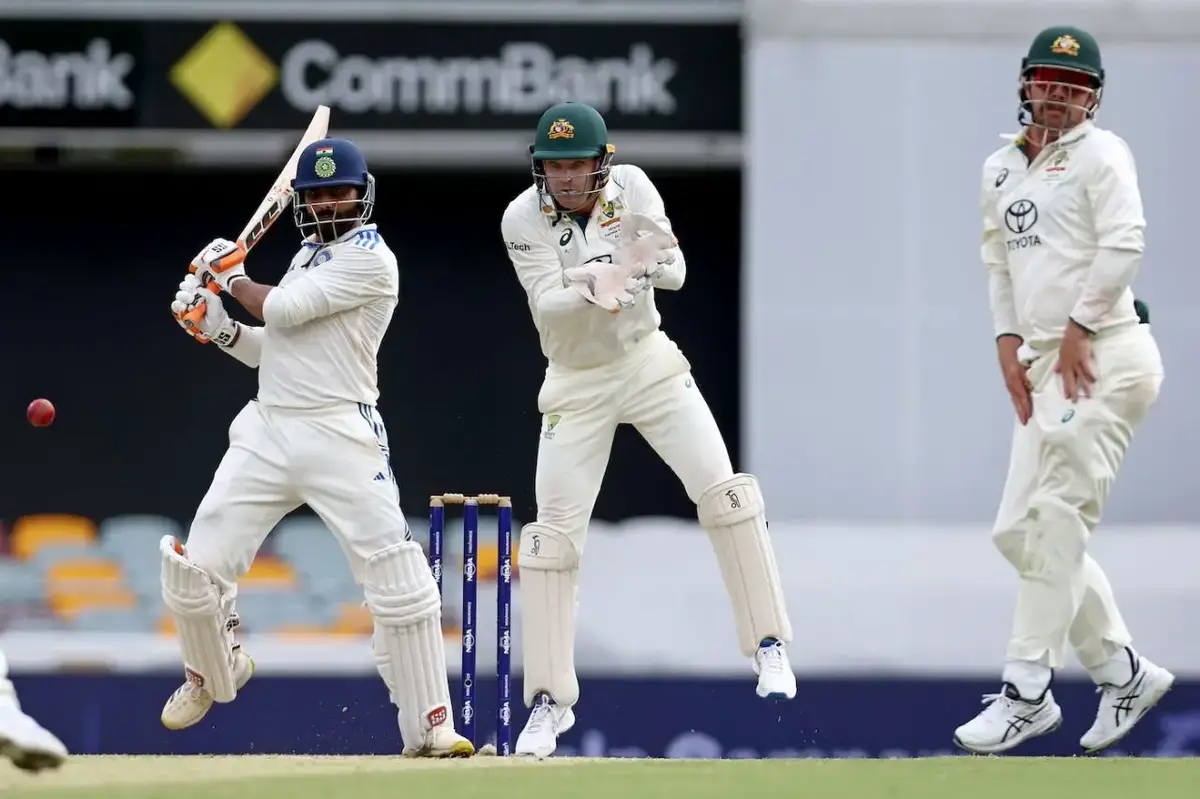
column 1121, row 707
column 191, row 702
column 1008, row 721
column 776, row 680
column 546, row 722
column 440, row 740
column 29, row 745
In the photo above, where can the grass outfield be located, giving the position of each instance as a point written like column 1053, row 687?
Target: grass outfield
column 263, row 776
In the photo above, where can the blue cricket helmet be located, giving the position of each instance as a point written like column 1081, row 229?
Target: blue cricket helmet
column 331, row 163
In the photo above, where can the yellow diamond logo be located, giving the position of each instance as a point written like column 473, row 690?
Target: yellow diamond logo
column 225, row 75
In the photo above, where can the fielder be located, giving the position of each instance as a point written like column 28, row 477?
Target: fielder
column 29, row 745
column 312, row 436
column 590, row 243
column 1062, row 241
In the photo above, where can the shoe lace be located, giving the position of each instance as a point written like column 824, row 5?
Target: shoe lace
column 539, row 717
column 999, row 704
column 771, row 659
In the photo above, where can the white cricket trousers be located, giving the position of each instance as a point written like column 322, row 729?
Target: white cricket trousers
column 1063, row 465
column 336, row 460
column 652, row 388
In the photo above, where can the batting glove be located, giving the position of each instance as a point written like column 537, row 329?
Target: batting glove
column 220, row 263
column 200, row 313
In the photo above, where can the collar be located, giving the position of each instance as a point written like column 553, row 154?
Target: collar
column 612, row 189
column 1073, row 135
column 312, row 242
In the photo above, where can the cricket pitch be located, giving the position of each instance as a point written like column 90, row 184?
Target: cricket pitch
column 304, row 777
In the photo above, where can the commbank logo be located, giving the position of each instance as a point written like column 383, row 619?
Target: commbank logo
column 225, row 75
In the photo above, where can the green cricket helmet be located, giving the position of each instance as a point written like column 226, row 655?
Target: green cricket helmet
column 570, row 131
column 1062, row 72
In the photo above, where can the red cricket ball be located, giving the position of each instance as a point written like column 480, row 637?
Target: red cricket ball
column 40, row 413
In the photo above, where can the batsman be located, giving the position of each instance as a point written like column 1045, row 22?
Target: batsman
column 591, row 243
column 1063, row 234
column 312, row 436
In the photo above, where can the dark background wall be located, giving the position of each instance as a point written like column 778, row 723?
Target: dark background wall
column 91, row 263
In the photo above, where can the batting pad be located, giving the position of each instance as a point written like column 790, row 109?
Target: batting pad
column 195, row 605
column 549, row 594
column 733, row 514
column 410, row 650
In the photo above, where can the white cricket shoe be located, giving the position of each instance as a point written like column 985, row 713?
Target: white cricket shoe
column 1008, row 721
column 29, row 745
column 776, row 680
column 191, row 702
column 546, row 722
column 441, row 741
column 1121, row 707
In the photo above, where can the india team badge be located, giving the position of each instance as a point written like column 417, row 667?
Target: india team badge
column 325, row 166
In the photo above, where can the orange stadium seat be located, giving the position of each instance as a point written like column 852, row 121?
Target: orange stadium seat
column 302, row 631
column 72, row 585
column 269, row 573
column 353, row 619
column 31, row 533
column 488, row 562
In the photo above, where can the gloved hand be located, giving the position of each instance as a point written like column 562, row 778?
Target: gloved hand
column 646, row 248
column 608, row 285
column 200, row 313
column 219, row 263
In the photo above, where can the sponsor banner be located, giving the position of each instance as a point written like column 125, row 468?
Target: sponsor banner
column 634, row 717
column 375, row 76
column 71, row 74
column 433, row 76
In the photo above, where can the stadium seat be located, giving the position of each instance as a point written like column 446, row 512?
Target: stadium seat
column 67, row 605
column 353, row 619
column 306, row 543
column 57, row 552
column 35, row 624
column 487, row 561
column 75, row 584
column 268, row 573
column 333, row 587
column 32, row 533
column 130, row 533
column 275, row 611
column 19, row 583
column 109, row 619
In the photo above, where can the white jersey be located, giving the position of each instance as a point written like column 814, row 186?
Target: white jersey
column 325, row 321
column 1062, row 235
column 541, row 244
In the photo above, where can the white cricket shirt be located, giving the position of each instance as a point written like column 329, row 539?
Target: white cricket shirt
column 575, row 333
column 1062, row 236
column 325, row 321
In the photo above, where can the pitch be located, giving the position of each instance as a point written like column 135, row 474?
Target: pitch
column 264, row 776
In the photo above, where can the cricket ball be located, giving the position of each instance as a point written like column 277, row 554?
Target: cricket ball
column 40, row 413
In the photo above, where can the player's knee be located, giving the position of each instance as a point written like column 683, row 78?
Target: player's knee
column 546, row 548
column 399, row 587
column 730, row 502
column 1055, row 540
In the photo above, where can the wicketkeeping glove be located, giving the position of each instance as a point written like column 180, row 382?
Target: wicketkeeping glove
column 608, row 285
column 220, row 263
column 200, row 313
column 646, row 248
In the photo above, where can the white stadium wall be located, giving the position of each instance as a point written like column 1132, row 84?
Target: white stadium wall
column 870, row 387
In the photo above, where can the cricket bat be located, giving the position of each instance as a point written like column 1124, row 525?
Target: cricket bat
column 277, row 199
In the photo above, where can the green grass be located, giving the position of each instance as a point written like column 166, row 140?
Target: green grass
column 268, row 777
